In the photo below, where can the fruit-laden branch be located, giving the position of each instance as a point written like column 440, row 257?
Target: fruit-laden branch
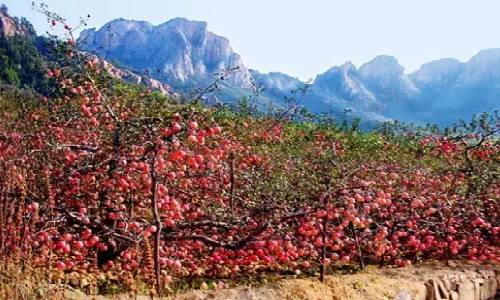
column 228, row 245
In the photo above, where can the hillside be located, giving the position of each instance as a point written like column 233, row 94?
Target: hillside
column 21, row 63
column 26, row 57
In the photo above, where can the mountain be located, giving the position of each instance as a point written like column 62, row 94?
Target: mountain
column 185, row 55
column 9, row 26
column 437, row 74
column 276, row 82
column 483, row 68
column 340, row 90
column 386, row 78
column 24, row 59
column 21, row 63
column 275, row 86
column 180, row 56
column 440, row 92
column 180, row 52
column 131, row 77
column 451, row 90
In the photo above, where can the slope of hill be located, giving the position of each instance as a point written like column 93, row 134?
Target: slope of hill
column 25, row 57
column 21, row 63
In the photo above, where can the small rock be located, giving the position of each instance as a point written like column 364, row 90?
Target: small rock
column 490, row 288
column 452, row 264
column 466, row 290
column 403, row 295
column 477, row 289
column 446, row 282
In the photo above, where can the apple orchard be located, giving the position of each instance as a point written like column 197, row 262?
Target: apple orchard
column 112, row 179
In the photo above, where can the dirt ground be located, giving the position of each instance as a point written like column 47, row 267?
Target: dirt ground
column 371, row 284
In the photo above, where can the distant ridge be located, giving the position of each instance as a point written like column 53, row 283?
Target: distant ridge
column 185, row 55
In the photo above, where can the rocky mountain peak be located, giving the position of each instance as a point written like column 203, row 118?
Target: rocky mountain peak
column 482, row 68
column 486, row 56
column 8, row 25
column 345, row 82
column 178, row 51
column 185, row 25
column 186, row 55
column 437, row 73
column 386, row 76
column 383, row 66
column 276, row 82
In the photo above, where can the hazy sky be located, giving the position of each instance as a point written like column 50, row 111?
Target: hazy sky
column 304, row 38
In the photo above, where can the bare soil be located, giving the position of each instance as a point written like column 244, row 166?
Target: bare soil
column 370, row 284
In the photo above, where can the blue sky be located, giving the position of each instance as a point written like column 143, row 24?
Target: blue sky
column 304, row 38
